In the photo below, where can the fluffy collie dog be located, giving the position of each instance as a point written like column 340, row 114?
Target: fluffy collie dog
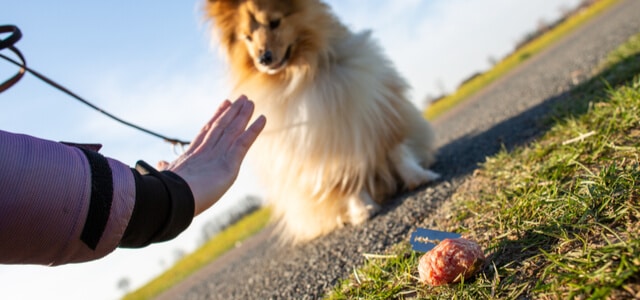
column 341, row 137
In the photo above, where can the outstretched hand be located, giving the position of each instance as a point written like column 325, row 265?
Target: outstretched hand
column 212, row 162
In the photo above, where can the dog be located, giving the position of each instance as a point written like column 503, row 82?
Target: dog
column 341, row 136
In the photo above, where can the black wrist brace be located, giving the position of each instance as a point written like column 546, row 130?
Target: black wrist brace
column 164, row 207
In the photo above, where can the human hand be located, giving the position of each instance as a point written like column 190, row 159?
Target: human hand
column 212, row 162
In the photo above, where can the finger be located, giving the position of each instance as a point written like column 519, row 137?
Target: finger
column 241, row 146
column 217, row 125
column 197, row 141
column 227, row 123
column 221, row 110
column 235, row 128
column 162, row 165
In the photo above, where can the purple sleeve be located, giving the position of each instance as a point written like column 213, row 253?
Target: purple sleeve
column 45, row 193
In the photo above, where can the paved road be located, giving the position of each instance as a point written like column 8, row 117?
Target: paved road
column 506, row 113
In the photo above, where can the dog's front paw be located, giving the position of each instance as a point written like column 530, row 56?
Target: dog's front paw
column 361, row 208
column 409, row 169
column 419, row 177
column 432, row 176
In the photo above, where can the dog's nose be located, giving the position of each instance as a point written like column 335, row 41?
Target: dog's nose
column 266, row 58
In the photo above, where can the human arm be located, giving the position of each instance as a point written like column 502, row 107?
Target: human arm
column 47, row 191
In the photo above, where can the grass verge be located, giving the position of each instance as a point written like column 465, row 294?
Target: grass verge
column 559, row 218
column 476, row 84
column 214, row 248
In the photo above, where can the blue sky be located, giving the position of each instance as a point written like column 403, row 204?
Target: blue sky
column 154, row 64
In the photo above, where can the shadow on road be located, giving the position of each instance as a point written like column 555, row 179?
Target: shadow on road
column 461, row 157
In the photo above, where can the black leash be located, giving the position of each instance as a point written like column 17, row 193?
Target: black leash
column 9, row 43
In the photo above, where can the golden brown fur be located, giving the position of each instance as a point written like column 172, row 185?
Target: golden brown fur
column 341, row 136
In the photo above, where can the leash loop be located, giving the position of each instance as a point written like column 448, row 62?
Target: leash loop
column 7, row 43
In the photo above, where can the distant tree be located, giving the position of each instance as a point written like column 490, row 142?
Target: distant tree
column 469, row 78
column 253, row 202
column 492, row 60
column 426, row 101
column 178, row 254
column 124, row 284
column 244, row 206
column 442, row 89
column 565, row 11
column 209, row 229
column 543, row 26
column 430, row 99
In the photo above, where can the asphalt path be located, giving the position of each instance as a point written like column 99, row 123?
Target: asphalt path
column 506, row 114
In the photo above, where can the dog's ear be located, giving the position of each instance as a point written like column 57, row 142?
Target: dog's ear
column 224, row 17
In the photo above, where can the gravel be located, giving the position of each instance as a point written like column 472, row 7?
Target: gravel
column 506, row 114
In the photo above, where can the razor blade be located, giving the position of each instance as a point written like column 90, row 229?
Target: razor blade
column 423, row 240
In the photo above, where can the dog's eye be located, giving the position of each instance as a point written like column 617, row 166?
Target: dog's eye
column 248, row 37
column 274, row 24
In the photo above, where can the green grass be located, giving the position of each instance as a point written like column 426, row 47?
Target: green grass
column 473, row 86
column 559, row 218
column 214, row 248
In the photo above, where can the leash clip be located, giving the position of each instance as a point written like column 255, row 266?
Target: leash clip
column 8, row 43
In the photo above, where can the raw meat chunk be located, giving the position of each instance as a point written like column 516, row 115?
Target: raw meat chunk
column 450, row 261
